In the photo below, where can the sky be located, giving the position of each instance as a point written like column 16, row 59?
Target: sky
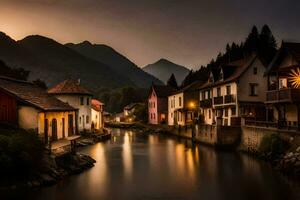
column 187, row 32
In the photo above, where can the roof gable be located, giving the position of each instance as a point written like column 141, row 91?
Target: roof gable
column 69, row 86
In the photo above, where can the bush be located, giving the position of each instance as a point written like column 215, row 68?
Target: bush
column 20, row 152
column 272, row 146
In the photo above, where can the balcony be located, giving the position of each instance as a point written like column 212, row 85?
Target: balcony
column 229, row 98
column 287, row 95
column 206, row 103
column 218, row 100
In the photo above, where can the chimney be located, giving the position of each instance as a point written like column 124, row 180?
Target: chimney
column 78, row 81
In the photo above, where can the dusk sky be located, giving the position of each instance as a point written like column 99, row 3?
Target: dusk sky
column 187, row 32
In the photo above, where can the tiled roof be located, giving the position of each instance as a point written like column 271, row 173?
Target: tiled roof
column 190, row 88
column 96, row 104
column 29, row 93
column 163, row 90
column 232, row 71
column 69, row 86
column 131, row 106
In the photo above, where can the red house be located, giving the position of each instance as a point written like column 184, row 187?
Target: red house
column 158, row 104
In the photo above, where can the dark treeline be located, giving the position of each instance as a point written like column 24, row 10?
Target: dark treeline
column 115, row 100
column 20, row 74
column 263, row 43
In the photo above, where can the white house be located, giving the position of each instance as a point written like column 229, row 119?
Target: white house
column 236, row 90
column 30, row 107
column 183, row 104
column 71, row 92
column 97, row 114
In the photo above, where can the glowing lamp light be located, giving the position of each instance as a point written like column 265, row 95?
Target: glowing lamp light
column 295, row 77
column 192, row 105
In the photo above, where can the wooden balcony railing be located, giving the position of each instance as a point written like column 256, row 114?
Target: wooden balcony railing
column 218, row 100
column 206, row 103
column 283, row 95
column 229, row 98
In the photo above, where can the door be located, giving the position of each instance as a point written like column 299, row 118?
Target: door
column 70, row 125
column 63, row 127
column 54, row 129
column 46, row 126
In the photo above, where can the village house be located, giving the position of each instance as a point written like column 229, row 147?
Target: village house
column 29, row 107
column 71, row 92
column 158, row 104
column 283, row 95
column 183, row 105
column 97, row 115
column 235, row 90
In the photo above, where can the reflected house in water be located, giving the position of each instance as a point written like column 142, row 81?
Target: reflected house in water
column 183, row 105
column 158, row 103
column 30, row 107
column 97, row 115
column 235, row 90
column 71, row 92
column 283, row 95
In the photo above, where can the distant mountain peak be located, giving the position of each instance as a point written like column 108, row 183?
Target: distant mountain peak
column 86, row 42
column 163, row 68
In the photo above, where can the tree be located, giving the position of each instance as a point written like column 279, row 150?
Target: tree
column 267, row 44
column 172, row 82
column 40, row 83
column 252, row 41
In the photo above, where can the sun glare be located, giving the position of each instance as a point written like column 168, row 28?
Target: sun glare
column 295, row 77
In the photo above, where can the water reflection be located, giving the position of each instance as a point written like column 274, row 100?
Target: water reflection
column 127, row 154
column 134, row 165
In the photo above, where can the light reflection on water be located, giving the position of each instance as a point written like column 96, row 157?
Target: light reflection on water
column 133, row 165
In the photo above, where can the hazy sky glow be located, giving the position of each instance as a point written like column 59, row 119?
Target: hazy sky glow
column 188, row 32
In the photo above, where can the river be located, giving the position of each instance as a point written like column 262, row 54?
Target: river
column 135, row 165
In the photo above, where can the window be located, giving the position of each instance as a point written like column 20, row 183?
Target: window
column 218, row 92
column 226, row 112
column 208, row 94
column 203, row 95
column 233, row 111
column 153, row 115
column 153, row 104
column 79, row 120
column 282, row 83
column 87, row 101
column 87, row 119
column 81, row 100
column 209, row 114
column 179, row 101
column 255, row 70
column 253, row 89
column 228, row 90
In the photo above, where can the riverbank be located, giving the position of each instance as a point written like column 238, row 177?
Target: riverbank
column 52, row 170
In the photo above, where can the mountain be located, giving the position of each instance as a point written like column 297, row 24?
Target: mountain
column 163, row 69
column 54, row 62
column 116, row 61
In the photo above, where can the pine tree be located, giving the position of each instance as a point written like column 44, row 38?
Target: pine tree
column 172, row 82
column 252, row 41
column 267, row 44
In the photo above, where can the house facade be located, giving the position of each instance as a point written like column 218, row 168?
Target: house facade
column 158, row 104
column 283, row 95
column 30, row 107
column 235, row 90
column 97, row 114
column 183, row 105
column 71, row 92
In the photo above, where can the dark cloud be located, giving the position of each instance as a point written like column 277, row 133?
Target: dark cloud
column 187, row 32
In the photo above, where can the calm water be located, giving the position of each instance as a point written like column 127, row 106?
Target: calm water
column 134, row 165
